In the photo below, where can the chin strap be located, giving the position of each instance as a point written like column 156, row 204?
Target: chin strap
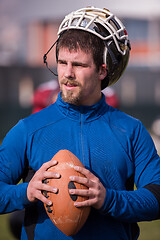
column 45, row 58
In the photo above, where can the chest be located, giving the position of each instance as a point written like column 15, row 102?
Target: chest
column 95, row 145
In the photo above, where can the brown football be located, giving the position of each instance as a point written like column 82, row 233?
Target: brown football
column 63, row 213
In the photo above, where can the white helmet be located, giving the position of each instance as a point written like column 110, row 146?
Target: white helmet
column 89, row 18
column 103, row 24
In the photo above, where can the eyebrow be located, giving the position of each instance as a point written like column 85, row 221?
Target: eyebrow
column 74, row 63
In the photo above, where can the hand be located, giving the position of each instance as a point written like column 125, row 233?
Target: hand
column 36, row 184
column 95, row 193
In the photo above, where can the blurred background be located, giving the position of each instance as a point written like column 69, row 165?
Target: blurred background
column 29, row 28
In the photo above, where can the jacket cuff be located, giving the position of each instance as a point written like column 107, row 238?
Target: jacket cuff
column 105, row 207
column 23, row 195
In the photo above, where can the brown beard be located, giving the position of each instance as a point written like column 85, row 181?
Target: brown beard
column 69, row 96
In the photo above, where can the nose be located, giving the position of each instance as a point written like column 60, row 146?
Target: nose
column 69, row 71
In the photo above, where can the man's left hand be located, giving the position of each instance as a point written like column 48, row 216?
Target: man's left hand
column 95, row 193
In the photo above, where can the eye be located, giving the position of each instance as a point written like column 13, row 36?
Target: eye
column 61, row 62
column 77, row 64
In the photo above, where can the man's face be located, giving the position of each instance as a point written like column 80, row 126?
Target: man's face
column 79, row 80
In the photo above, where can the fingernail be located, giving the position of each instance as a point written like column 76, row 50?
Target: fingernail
column 76, row 204
column 57, row 175
column 49, row 203
column 71, row 191
column 76, row 168
column 72, row 178
column 54, row 190
column 54, row 162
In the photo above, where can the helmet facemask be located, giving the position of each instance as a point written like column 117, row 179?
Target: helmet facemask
column 106, row 26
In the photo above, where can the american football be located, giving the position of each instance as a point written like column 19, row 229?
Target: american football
column 63, row 213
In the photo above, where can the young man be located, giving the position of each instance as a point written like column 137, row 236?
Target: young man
column 116, row 149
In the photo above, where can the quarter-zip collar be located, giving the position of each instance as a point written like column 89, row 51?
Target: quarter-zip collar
column 74, row 112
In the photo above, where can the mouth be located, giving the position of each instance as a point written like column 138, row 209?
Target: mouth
column 70, row 84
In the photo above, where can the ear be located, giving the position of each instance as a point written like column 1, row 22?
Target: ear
column 102, row 72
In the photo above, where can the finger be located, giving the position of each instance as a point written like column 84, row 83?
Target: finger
column 86, row 203
column 48, row 164
column 80, row 192
column 50, row 174
column 48, row 188
column 42, row 198
column 82, row 180
column 42, row 176
column 85, row 172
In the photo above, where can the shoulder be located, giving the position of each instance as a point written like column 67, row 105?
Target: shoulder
column 127, row 129
column 131, row 134
column 121, row 121
column 41, row 119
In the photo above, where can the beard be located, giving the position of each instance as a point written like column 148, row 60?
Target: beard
column 70, row 96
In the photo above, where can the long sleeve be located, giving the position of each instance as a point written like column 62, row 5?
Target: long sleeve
column 13, row 162
column 131, row 206
column 143, row 203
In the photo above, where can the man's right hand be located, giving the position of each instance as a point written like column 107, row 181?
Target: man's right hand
column 37, row 185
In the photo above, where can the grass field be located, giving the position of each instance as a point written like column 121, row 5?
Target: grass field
column 149, row 230
column 5, row 233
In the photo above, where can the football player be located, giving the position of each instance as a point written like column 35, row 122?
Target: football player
column 92, row 52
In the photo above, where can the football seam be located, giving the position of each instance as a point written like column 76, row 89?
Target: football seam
column 82, row 210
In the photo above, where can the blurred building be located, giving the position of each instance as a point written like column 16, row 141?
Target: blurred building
column 29, row 28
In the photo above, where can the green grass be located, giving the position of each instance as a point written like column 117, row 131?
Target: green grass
column 149, row 230
column 5, row 233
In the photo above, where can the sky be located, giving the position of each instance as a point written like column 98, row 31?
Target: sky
column 21, row 10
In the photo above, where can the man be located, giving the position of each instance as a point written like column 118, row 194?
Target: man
column 44, row 95
column 116, row 150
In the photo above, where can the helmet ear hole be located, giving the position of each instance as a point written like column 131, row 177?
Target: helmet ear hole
column 116, row 64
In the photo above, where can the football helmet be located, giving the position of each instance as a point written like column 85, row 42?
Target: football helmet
column 103, row 24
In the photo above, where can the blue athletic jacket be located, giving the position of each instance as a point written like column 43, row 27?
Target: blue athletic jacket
column 114, row 146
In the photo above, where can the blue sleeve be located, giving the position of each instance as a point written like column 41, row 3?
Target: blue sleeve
column 143, row 203
column 12, row 164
